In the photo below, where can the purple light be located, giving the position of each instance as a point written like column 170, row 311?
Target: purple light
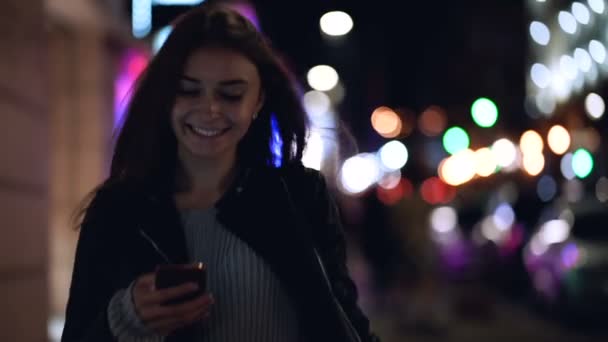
column 570, row 255
column 247, row 11
column 131, row 66
column 277, row 143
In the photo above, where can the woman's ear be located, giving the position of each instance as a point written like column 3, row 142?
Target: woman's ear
column 261, row 100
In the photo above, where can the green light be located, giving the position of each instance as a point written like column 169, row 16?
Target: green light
column 484, row 112
column 582, row 163
column 455, row 139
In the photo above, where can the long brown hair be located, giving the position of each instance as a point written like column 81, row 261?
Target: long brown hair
column 146, row 146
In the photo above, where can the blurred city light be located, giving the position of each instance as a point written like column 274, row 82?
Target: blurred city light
column 455, row 140
column 402, row 189
column 314, row 152
column 443, row 219
column 582, row 163
column 390, row 179
column 583, row 60
column 581, row 13
column 545, row 102
column 601, row 189
column 386, row 122
column 568, row 67
column 504, row 216
column 141, row 17
column 554, row 231
column 537, row 246
column 594, row 106
column 459, row 168
column 434, row 191
column 597, row 51
column 533, row 163
column 546, row 188
column 540, row 33
column 322, row 77
column 531, row 142
column 574, row 190
column 160, row 37
column 336, row 23
column 433, row 121
column 558, row 139
column 540, row 75
column 566, row 167
column 567, row 22
column 484, row 112
column 596, row 5
column 316, row 103
column 505, row 152
column 485, row 162
column 359, row 172
column 393, row 155
column 570, row 256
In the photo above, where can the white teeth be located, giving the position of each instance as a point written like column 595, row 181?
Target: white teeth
column 206, row 132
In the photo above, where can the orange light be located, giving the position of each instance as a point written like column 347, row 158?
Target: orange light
column 485, row 162
column 533, row 163
column 531, row 143
column 558, row 139
column 386, row 122
column 458, row 169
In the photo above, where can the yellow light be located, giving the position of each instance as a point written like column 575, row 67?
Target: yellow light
column 531, row 143
column 485, row 163
column 558, row 139
column 533, row 163
column 458, row 169
column 386, row 122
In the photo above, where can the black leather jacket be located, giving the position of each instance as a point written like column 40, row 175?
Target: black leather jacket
column 281, row 213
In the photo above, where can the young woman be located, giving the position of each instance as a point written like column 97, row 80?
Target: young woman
column 193, row 179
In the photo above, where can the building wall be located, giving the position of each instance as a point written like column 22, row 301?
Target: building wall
column 24, row 185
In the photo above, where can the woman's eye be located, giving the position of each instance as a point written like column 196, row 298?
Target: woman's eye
column 231, row 97
column 187, row 91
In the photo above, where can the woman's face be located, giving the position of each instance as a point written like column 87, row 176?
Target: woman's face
column 218, row 94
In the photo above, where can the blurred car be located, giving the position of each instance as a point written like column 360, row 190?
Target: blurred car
column 567, row 260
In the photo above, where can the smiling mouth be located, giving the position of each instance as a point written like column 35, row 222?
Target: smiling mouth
column 206, row 132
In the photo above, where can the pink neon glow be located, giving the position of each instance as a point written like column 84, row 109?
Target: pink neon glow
column 248, row 11
column 132, row 64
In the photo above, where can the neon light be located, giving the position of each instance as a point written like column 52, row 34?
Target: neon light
column 276, row 144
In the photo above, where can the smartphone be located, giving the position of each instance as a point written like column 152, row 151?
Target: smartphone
column 170, row 275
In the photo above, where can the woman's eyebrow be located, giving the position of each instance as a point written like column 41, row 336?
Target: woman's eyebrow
column 237, row 81
column 190, row 79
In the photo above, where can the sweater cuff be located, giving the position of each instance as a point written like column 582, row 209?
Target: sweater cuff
column 124, row 321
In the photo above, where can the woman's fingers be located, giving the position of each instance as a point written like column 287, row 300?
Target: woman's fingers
column 159, row 312
column 165, row 295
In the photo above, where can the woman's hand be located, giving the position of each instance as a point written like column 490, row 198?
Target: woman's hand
column 164, row 319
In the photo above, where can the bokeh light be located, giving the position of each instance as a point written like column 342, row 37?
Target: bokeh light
column 386, row 122
column 314, row 152
column 533, row 163
column 504, row 216
column 485, row 162
column 567, row 22
column 601, row 189
column 359, row 172
column 540, row 33
column 583, row 60
column 433, row 121
column 505, row 152
column 566, row 166
column 581, row 13
column 597, row 51
column 484, row 112
column 393, row 155
column 455, row 140
column 540, row 75
column 458, row 169
column 568, row 67
column 596, row 6
column 574, row 190
column 558, row 139
column 402, row 189
column 434, row 191
column 443, row 219
column 594, row 106
column 582, row 163
column 546, row 188
column 531, row 143
column 390, row 179
column 336, row 23
column 316, row 103
column 554, row 231
column 322, row 77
